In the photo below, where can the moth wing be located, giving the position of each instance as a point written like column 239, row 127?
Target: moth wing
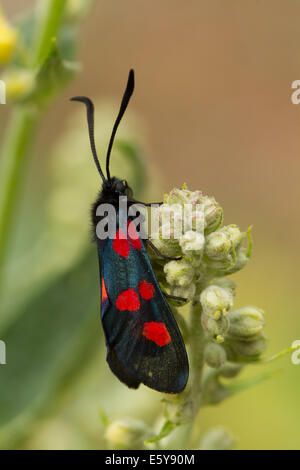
column 143, row 340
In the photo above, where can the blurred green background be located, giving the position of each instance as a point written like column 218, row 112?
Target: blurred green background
column 212, row 108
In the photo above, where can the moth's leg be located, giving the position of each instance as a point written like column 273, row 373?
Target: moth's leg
column 148, row 204
column 175, row 297
column 161, row 254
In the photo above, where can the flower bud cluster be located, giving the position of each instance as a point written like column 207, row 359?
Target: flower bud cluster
column 208, row 253
column 189, row 227
column 237, row 335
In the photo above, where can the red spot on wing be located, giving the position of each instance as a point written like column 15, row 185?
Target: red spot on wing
column 157, row 332
column 103, row 291
column 146, row 290
column 121, row 244
column 128, row 300
column 133, row 236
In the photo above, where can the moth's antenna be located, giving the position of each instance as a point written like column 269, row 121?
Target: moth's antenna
column 90, row 120
column 125, row 100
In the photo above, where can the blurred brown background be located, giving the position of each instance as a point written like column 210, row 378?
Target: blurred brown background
column 213, row 89
column 213, row 84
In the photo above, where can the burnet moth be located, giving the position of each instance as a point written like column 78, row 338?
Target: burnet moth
column 144, row 344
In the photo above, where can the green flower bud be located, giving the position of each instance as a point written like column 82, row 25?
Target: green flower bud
column 217, row 439
column 235, row 235
column 248, row 348
column 230, row 370
column 230, row 353
column 158, row 267
column 198, row 221
column 183, row 196
column 213, row 391
column 218, row 246
column 126, row 434
column 242, row 255
column 168, row 247
column 169, row 211
column 179, row 273
column 171, row 220
column 195, row 197
column 213, row 214
column 245, row 323
column 214, row 355
column 187, row 292
column 215, row 328
column 226, row 283
column 242, row 258
column 216, row 301
column 192, row 243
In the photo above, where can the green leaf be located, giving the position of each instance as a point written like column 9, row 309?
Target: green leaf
column 134, row 156
column 43, row 344
column 240, row 385
column 250, row 242
column 51, row 77
column 26, row 26
column 167, row 428
column 103, row 417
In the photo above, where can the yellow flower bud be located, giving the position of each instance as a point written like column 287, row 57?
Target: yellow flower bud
column 19, row 83
column 8, row 40
column 126, row 434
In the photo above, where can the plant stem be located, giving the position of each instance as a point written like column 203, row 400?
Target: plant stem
column 15, row 152
column 21, row 130
column 196, row 351
column 50, row 20
column 196, row 359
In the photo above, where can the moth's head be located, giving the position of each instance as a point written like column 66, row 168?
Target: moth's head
column 117, row 187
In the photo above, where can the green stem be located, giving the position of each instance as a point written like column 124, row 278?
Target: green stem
column 21, row 130
column 196, row 351
column 196, row 338
column 263, row 360
column 50, row 20
column 15, row 152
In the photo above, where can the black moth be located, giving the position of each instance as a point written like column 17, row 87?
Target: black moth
column 144, row 344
